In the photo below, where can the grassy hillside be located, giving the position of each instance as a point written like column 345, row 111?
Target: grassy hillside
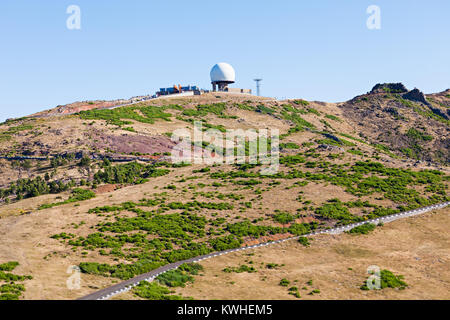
column 63, row 187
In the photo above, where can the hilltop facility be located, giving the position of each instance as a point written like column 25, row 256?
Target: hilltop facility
column 179, row 90
column 222, row 75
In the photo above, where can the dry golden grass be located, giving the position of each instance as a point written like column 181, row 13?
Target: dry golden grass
column 26, row 237
column 418, row 248
column 25, row 232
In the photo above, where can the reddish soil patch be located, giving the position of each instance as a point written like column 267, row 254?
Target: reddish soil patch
column 128, row 143
column 79, row 106
column 107, row 188
column 306, row 220
column 274, row 237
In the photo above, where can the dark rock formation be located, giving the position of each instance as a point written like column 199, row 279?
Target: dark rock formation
column 416, row 95
column 438, row 112
column 389, row 88
column 392, row 111
column 331, row 148
column 332, row 137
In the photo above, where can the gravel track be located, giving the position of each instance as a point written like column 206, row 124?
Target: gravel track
column 127, row 285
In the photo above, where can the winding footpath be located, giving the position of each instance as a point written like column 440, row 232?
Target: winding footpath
column 125, row 286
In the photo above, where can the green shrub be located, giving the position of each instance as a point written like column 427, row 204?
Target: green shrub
column 284, row 282
column 297, row 120
column 304, row 241
column 131, row 129
column 175, row 278
column 333, row 117
column 8, row 266
column 265, row 110
column 301, row 102
column 363, row 229
column 389, row 280
column 295, row 159
column 121, row 116
column 240, row 269
column 246, row 228
column 154, row 291
column 29, row 188
column 225, row 243
column 337, row 211
column 133, row 173
column 418, row 135
column 78, row 194
column 283, row 217
column 13, row 277
column 289, row 145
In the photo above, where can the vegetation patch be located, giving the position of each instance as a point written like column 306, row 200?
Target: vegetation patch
column 388, row 280
column 9, row 289
column 363, row 229
column 154, row 291
column 304, row 241
column 336, row 210
column 240, row 269
column 179, row 277
column 289, row 145
column 78, row 194
column 295, row 292
column 131, row 173
column 301, row 102
column 28, row 188
column 284, row 282
column 333, row 117
column 121, row 116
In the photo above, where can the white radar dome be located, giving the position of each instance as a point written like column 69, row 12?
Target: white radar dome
column 223, row 72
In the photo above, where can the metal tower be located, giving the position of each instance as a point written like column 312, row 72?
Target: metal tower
column 258, row 86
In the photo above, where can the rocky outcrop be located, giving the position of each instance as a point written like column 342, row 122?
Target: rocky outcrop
column 331, row 136
column 389, row 88
column 416, row 95
column 440, row 113
column 331, row 148
column 392, row 111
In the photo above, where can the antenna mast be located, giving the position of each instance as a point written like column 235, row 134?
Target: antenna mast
column 258, row 86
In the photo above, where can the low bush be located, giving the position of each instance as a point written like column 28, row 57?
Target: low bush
column 389, row 280
column 337, row 211
column 304, row 241
column 225, row 243
column 283, row 217
column 132, row 173
column 11, row 290
column 180, row 276
column 154, row 291
column 240, row 269
column 78, row 194
column 8, row 266
column 284, row 282
column 363, row 229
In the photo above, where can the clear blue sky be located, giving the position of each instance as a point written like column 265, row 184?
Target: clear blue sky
column 316, row 50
